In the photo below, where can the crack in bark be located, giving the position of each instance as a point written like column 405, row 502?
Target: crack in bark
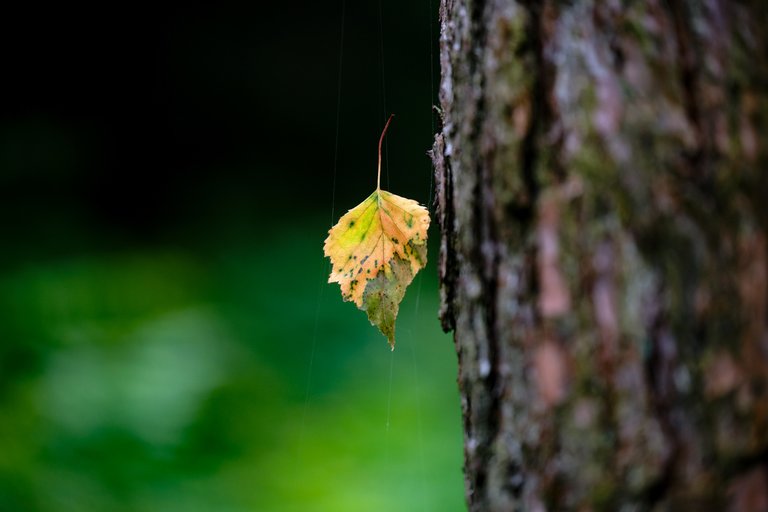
column 444, row 208
column 662, row 360
column 485, row 253
column 688, row 76
column 659, row 367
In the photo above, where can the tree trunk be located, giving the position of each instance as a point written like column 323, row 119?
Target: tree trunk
column 602, row 194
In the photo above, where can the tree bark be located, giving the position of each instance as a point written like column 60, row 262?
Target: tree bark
column 603, row 200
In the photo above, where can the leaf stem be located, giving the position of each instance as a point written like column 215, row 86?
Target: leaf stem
column 381, row 139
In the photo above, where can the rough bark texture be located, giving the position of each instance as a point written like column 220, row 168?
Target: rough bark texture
column 602, row 194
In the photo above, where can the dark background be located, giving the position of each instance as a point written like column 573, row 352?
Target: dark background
column 145, row 124
column 167, row 339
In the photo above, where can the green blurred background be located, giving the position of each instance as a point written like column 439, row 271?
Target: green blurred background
column 167, row 338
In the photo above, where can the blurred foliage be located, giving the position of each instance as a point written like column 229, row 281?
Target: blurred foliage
column 170, row 380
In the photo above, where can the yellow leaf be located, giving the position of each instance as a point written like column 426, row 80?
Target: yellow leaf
column 376, row 249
